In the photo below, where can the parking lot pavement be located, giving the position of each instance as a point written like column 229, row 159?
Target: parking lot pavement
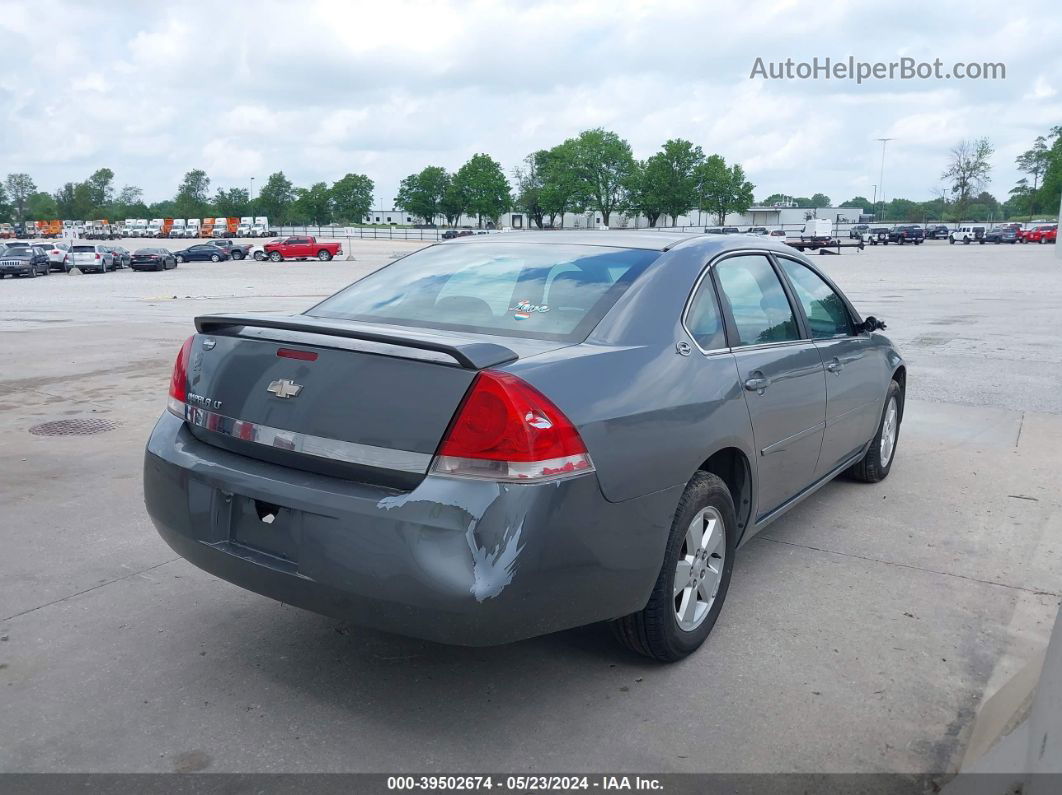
column 861, row 632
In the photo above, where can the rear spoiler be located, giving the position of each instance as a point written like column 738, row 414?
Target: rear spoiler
column 470, row 355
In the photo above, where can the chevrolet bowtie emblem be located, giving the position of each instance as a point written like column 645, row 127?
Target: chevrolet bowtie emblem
column 284, row 388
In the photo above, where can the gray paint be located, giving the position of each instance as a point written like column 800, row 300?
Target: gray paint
column 476, row 562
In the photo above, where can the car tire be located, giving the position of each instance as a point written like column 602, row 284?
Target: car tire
column 876, row 464
column 655, row 631
column 237, row 255
column 1041, row 240
column 259, row 256
column 275, row 256
column 32, row 272
column 951, row 241
column 981, row 242
column 324, row 256
column 178, row 259
column 215, row 258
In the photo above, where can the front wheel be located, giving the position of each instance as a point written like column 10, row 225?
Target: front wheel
column 275, row 256
column 689, row 592
column 259, row 256
column 179, row 259
column 951, row 241
column 877, row 462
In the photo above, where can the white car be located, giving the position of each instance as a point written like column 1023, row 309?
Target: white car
column 58, row 254
column 968, row 233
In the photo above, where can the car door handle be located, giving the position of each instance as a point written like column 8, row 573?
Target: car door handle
column 757, row 384
column 835, row 366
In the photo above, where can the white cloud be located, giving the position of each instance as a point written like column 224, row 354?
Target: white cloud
column 327, row 86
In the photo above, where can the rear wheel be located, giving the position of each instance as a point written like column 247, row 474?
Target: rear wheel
column 179, row 259
column 324, row 256
column 877, row 462
column 237, row 255
column 694, row 578
column 259, row 256
column 215, row 258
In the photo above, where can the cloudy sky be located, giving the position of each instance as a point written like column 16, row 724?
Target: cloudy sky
column 321, row 88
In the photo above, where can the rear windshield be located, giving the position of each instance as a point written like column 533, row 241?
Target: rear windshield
column 553, row 292
column 91, row 249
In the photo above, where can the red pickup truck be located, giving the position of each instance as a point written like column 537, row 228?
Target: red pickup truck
column 301, row 248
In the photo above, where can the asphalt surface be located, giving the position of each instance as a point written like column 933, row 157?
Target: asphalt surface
column 861, row 632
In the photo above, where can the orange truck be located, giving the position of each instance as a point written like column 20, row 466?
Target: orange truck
column 207, row 229
column 167, row 227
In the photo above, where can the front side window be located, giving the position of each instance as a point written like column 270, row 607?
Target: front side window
column 554, row 292
column 758, row 303
column 825, row 310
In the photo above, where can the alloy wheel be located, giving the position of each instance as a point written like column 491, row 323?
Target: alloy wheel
column 699, row 570
column 889, row 428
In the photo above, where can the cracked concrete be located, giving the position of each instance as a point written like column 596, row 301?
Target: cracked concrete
column 861, row 633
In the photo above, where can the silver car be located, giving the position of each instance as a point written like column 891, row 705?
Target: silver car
column 508, row 435
column 88, row 257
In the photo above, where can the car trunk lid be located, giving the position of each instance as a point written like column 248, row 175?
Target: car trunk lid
column 353, row 400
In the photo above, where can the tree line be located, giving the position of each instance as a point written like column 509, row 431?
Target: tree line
column 593, row 171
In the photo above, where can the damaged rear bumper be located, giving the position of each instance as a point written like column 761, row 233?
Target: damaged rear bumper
column 456, row 561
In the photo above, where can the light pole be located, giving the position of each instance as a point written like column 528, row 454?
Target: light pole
column 874, row 203
column 881, row 176
column 250, row 197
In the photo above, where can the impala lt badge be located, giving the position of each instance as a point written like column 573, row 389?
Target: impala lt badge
column 284, row 388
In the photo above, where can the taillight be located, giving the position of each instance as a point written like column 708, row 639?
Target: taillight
column 179, row 380
column 97, row 256
column 505, row 429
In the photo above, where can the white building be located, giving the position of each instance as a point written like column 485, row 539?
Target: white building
column 770, row 217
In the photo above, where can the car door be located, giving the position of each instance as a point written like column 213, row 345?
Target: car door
column 781, row 372
column 299, row 247
column 855, row 370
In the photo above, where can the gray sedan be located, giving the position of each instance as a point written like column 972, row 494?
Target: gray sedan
column 503, row 436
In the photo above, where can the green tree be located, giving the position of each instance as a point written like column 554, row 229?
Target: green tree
column 193, row 195
column 603, row 163
column 421, row 194
column 672, row 177
column 562, row 188
column 1034, row 162
column 101, row 190
column 1050, row 191
column 41, row 207
column 643, row 191
column 5, row 207
column 857, row 201
column 968, row 171
column 453, row 203
column 352, row 198
column 19, row 188
column 232, row 203
column 724, row 189
column 483, row 186
column 276, row 197
column 84, row 207
column 64, row 201
column 820, row 200
column 312, row 205
column 776, row 198
column 529, row 187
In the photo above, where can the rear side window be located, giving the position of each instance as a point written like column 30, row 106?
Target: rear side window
column 704, row 322
column 826, row 313
column 761, row 311
column 540, row 291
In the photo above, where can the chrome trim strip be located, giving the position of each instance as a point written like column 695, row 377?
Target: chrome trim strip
column 318, row 446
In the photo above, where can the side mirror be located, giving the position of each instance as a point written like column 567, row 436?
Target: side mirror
column 873, row 324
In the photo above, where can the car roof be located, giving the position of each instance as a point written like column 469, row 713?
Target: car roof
column 651, row 239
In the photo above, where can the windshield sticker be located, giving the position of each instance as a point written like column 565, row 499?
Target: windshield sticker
column 523, row 309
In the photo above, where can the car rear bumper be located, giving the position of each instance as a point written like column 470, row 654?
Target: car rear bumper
column 456, row 561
